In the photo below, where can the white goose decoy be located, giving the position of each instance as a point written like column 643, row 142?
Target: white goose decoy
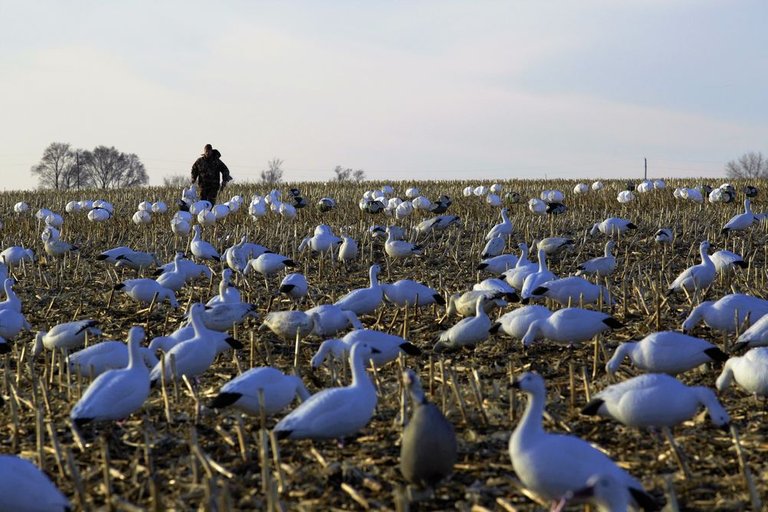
column 516, row 276
column 502, row 229
column 243, row 391
column 603, row 491
column 494, row 247
column 65, row 336
column 726, row 262
column 110, row 255
column 537, row 278
column 137, row 260
column 428, row 449
column 464, row 304
column 228, row 292
column 320, row 243
column 655, row 400
column 106, row 355
column 224, row 316
column 194, row 355
column 364, row 301
column 269, row 263
column 570, row 326
column 14, row 255
column 755, row 336
column 697, row 277
column 56, row 248
column 554, row 465
column 235, row 256
column 294, row 285
column 145, row 289
column 118, row 393
column 25, row 488
column 601, row 266
column 287, row 324
column 407, row 292
column 741, row 221
column 387, row 347
column 12, row 301
column 174, row 279
column 467, row 333
column 612, row 226
column 3, row 271
column 180, row 225
column 517, row 322
column 189, row 268
column 555, row 245
column 572, row 290
column 750, row 371
column 335, row 412
column 328, row 319
column 348, row 249
column 202, row 249
column 400, row 248
column 497, row 285
column 498, row 264
column 439, row 223
column 728, row 314
column 664, row 236
column 12, row 322
column 668, row 352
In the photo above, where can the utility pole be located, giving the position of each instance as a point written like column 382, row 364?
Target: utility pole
column 645, row 175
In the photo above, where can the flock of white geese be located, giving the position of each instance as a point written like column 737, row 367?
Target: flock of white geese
column 556, row 468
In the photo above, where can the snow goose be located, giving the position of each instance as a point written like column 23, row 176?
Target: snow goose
column 601, row 266
column 202, row 249
column 190, row 269
column 228, row 292
column 467, row 333
column 400, row 248
column 741, row 221
column 554, row 465
column 502, row 229
column 137, row 260
column 387, row 347
column 14, row 255
column 320, row 243
column 407, row 292
column 328, row 319
column 145, row 289
column 363, row 301
column 655, row 400
column 269, row 263
column 56, row 248
column 106, row 355
column 194, row 355
column 65, row 336
column 174, row 279
column 428, row 449
column 570, row 326
column 727, row 314
column 516, row 276
column 497, row 285
column 12, row 322
column 348, row 249
column 335, row 412
column 110, row 255
column 516, row 323
column 664, row 236
column 537, row 278
column 668, row 352
column 750, row 371
column 726, row 261
column 235, row 256
column 494, row 247
column 3, row 271
column 243, row 391
column 572, row 290
column 463, row 304
column 180, row 225
column 755, row 336
column 554, row 245
column 117, row 393
column 287, row 324
column 25, row 488
column 498, row 264
column 697, row 277
column 605, row 492
column 612, row 226
column 12, row 301
column 222, row 317
column 439, row 223
column 294, row 285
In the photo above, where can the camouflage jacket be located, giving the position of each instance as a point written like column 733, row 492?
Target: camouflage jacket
column 206, row 171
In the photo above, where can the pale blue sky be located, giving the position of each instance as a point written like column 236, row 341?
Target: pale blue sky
column 428, row 90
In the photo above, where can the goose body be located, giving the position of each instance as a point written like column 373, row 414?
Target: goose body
column 493, row 284
column 572, row 290
column 137, row 260
column 189, row 268
column 58, row 248
column 601, row 266
column 111, row 255
column 750, row 371
column 464, row 304
column 612, row 226
column 243, row 391
column 14, row 255
column 106, row 355
column 223, row 316
column 407, row 292
column 400, row 248
column 348, row 249
column 334, row 412
column 25, row 488
column 364, row 301
column 116, row 394
column 228, row 292
column 555, row 245
column 668, row 352
column 12, row 301
column 328, row 319
column 174, row 279
column 494, row 247
column 664, row 236
column 537, row 278
column 605, row 492
column 467, row 333
column 655, row 400
column 269, row 263
column 697, row 277
column 439, row 223
column 741, row 221
column 516, row 276
column 294, row 285
column 429, row 449
column 498, row 264
column 727, row 314
column 386, row 347
column 570, row 326
column 66, row 335
column 517, row 322
column 726, row 262
column 202, row 249
column 144, row 290
column 320, row 243
column 12, row 322
column 287, row 324
column 554, row 465
column 502, row 229
column 235, row 256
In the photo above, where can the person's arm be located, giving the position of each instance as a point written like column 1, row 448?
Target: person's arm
column 225, row 176
column 195, row 171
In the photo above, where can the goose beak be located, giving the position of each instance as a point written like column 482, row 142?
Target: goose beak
column 515, row 383
column 725, row 427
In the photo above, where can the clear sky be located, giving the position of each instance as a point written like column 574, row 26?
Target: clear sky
column 403, row 90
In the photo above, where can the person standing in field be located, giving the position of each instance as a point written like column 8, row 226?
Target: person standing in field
column 210, row 173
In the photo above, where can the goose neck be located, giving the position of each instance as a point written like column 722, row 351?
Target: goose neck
column 359, row 374
column 530, row 426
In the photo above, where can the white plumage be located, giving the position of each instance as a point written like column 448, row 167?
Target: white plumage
column 243, row 392
column 698, row 276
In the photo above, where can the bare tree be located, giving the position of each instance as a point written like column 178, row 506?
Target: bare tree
column 134, row 174
column 76, row 175
column 274, row 173
column 749, row 165
column 348, row 174
column 358, row 175
column 57, row 159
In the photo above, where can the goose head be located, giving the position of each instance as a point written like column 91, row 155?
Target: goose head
column 531, row 383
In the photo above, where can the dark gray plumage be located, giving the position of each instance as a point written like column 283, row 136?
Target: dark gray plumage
column 428, row 450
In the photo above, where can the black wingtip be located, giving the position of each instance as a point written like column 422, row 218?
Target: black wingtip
column 79, row 422
column 224, row 399
column 119, row 286
column 540, row 290
column 216, row 258
column 631, row 226
column 644, row 500
column 232, row 342
column 495, row 328
column 716, row 354
column 613, row 323
column 741, row 264
column 724, row 231
column 158, row 272
column 5, row 348
column 592, row 407
column 439, row 299
column 512, row 297
column 289, row 263
column 286, row 288
column 101, row 257
column 410, row 349
column 153, row 383
column 481, row 266
column 282, row 434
